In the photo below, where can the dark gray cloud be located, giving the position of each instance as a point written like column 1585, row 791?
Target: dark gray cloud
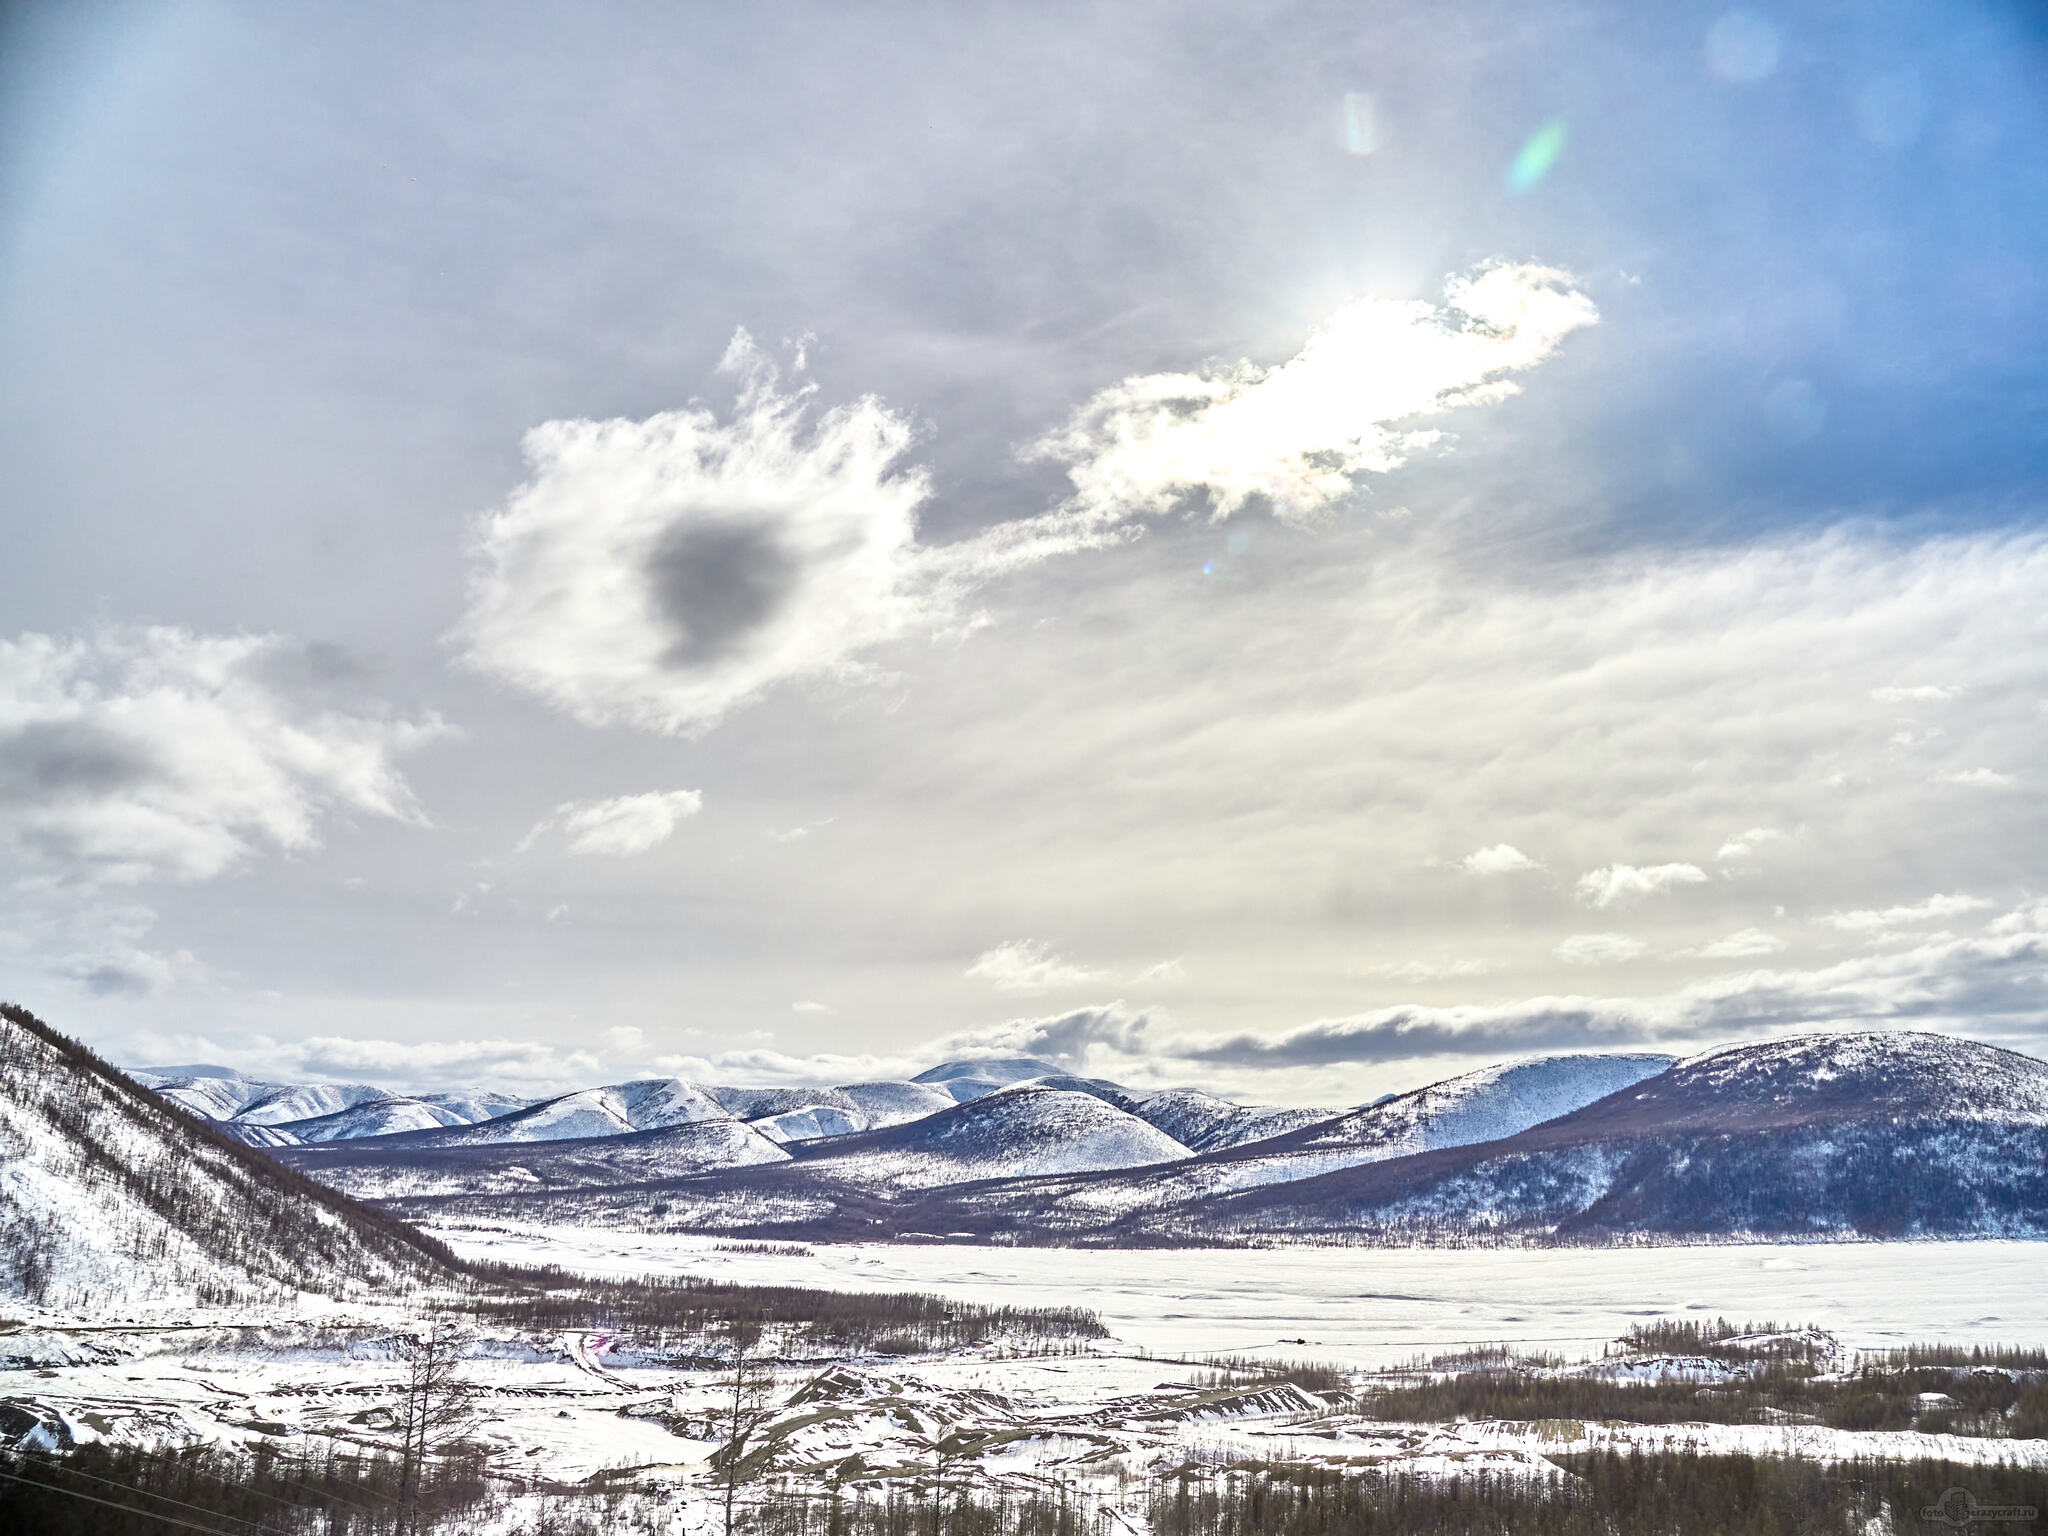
column 1397, row 1033
column 57, row 759
column 717, row 584
column 111, row 980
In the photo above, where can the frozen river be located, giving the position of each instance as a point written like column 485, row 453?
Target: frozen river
column 1376, row 1306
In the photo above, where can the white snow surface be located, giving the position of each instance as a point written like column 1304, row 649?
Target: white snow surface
column 1376, row 1307
column 965, row 1080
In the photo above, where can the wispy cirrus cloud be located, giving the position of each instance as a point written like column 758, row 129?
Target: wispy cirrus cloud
column 1917, row 914
column 1600, row 949
column 621, row 826
column 1025, row 965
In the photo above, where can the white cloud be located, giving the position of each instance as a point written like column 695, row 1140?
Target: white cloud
column 1429, row 970
column 1984, row 987
column 1744, row 845
column 1626, row 882
column 1925, row 693
column 1978, row 778
column 155, row 753
column 1298, row 434
column 807, row 1006
column 622, row 826
column 1170, row 972
column 1024, row 965
column 1599, row 949
column 1500, row 859
column 1744, row 944
column 661, row 573
column 1934, row 909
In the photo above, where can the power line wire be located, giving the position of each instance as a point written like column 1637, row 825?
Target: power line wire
column 147, row 1514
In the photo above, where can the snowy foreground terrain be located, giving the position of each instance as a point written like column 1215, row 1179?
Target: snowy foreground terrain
column 591, row 1409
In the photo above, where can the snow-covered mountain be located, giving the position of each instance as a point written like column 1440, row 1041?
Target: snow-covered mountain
column 111, row 1195
column 1015, row 1133
column 619, row 1109
column 964, row 1080
column 1870, row 1133
column 809, row 1114
column 1204, row 1123
column 266, row 1114
column 406, row 1167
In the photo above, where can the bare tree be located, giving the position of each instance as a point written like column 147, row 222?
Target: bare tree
column 433, row 1411
column 746, row 1405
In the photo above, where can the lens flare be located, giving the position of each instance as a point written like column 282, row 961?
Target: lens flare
column 1537, row 156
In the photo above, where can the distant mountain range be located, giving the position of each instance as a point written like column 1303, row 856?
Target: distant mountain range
column 1825, row 1135
column 110, row 1196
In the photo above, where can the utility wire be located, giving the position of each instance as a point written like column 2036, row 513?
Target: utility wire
column 110, row 1482
column 56, row 1466
column 147, row 1514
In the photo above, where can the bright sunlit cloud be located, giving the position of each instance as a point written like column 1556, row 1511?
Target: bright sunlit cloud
column 622, row 826
column 1298, row 435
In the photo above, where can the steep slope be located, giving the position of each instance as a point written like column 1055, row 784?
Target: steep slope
column 1881, row 1133
column 378, row 1117
column 213, row 1093
column 110, row 1195
column 307, row 1101
column 645, row 1105
column 1020, row 1132
column 266, row 1114
column 886, row 1103
column 1204, row 1123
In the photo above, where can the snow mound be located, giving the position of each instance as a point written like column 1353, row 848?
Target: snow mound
column 888, row 1103
column 813, row 1124
column 1016, row 1134
column 965, row 1080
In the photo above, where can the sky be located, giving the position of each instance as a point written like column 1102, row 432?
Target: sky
column 1292, row 548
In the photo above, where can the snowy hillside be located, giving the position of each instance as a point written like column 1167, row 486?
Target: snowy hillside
column 1013, row 1134
column 1204, row 1123
column 402, row 1167
column 265, row 1114
column 617, row 1110
column 1876, row 1133
column 108, row 1195
column 965, row 1080
column 807, row 1114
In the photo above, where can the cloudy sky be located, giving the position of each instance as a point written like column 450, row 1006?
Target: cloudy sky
column 1297, row 548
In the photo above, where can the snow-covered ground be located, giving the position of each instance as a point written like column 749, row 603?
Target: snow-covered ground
column 1381, row 1306
column 565, row 1407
